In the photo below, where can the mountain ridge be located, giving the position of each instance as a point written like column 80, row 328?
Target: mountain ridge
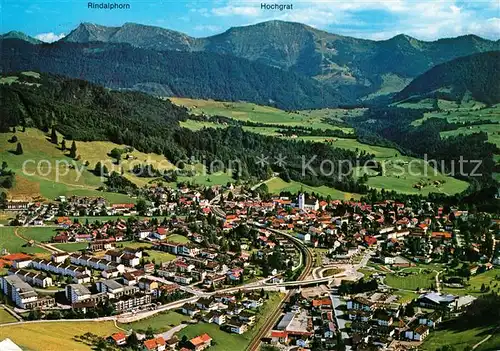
column 476, row 74
column 330, row 58
column 13, row 34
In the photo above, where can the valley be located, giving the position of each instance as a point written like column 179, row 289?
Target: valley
column 401, row 173
column 226, row 186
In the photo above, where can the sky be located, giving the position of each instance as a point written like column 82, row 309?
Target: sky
column 49, row 20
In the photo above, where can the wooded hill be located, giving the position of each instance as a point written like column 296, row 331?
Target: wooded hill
column 170, row 73
column 83, row 111
column 477, row 74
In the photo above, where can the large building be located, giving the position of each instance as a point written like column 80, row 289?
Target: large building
column 22, row 294
column 77, row 293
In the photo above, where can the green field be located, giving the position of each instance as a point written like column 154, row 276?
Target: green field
column 177, row 238
column 244, row 111
column 476, row 281
column 55, row 336
column 160, row 322
column 72, row 247
column 412, row 281
column 149, row 254
column 493, row 131
column 38, row 233
column 14, row 244
column 401, row 173
column 468, row 113
column 6, row 317
column 223, row 341
column 276, row 185
column 47, row 175
column 460, row 339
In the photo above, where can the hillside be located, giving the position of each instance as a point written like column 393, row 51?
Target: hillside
column 170, row 73
column 477, row 74
column 84, row 112
column 334, row 59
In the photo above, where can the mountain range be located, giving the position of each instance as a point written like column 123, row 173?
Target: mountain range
column 323, row 69
column 300, row 48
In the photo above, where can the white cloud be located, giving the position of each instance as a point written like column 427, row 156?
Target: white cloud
column 423, row 19
column 208, row 28
column 248, row 11
column 49, row 37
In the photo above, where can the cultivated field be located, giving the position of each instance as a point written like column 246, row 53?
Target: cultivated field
column 55, row 336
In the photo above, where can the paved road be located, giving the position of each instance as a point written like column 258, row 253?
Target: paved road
column 169, row 334
column 338, row 304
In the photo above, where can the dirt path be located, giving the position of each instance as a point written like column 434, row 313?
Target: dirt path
column 46, row 247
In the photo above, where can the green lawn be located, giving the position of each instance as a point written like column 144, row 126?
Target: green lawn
column 72, row 247
column 6, row 317
column 412, row 281
column 459, row 339
column 406, row 296
column 468, row 113
column 177, row 238
column 353, row 145
column 14, row 244
column 159, row 256
column 160, row 322
column 232, row 342
column 48, row 175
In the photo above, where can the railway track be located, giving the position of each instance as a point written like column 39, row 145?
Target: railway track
column 272, row 320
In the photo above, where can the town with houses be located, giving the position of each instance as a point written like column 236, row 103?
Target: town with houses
column 286, row 272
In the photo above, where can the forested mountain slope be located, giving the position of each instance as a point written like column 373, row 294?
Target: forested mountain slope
column 83, row 111
column 170, row 73
column 478, row 74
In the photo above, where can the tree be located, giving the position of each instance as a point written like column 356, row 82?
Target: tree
column 53, row 136
column 19, row 149
column 3, row 199
column 132, row 340
column 100, row 169
column 4, row 166
column 72, row 150
column 150, row 333
column 141, row 206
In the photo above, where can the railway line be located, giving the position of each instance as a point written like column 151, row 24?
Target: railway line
column 273, row 319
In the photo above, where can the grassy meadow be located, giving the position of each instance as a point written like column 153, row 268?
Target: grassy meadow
column 244, row 111
column 160, row 322
column 277, row 185
column 55, row 336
